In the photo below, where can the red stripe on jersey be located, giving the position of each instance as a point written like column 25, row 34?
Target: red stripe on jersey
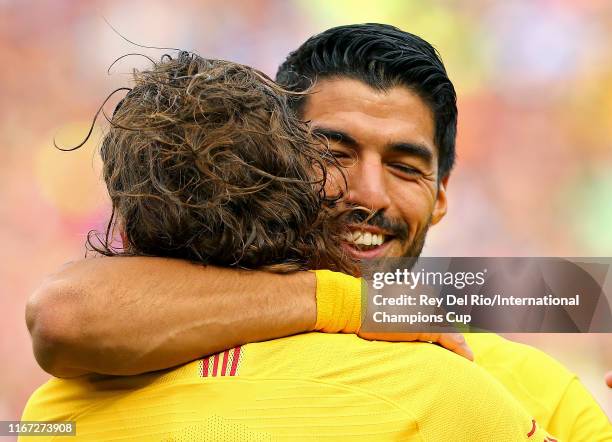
column 205, row 367
column 224, row 365
column 533, row 428
column 235, row 361
column 215, row 365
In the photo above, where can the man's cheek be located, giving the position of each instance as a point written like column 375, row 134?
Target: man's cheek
column 415, row 209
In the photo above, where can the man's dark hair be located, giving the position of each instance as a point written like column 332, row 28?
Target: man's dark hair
column 205, row 160
column 382, row 56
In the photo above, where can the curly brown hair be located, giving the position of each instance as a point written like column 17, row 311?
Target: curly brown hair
column 204, row 160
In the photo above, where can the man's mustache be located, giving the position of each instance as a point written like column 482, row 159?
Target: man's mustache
column 396, row 227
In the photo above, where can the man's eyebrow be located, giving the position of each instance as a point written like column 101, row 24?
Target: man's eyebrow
column 413, row 149
column 335, row 135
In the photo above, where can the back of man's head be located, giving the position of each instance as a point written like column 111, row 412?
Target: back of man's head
column 205, row 161
column 382, row 56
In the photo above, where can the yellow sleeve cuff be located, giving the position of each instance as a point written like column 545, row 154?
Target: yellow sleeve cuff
column 338, row 302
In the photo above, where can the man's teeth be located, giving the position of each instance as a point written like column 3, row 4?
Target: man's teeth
column 367, row 238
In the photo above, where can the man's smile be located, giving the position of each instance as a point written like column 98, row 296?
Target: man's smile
column 365, row 242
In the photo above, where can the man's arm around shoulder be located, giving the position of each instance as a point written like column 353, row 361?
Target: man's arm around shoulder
column 128, row 315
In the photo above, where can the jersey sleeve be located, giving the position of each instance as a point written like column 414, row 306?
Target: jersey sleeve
column 474, row 406
column 44, row 405
column 491, row 414
column 578, row 417
column 551, row 393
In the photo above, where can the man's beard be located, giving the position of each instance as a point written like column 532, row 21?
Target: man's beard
column 396, row 227
column 416, row 246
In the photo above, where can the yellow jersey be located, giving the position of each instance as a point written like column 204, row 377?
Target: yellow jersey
column 546, row 389
column 313, row 386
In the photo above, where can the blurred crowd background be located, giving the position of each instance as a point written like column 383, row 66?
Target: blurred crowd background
column 534, row 171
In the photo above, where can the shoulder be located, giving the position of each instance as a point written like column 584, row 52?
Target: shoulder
column 48, row 402
column 336, row 355
column 493, row 351
column 536, row 379
column 524, row 362
column 428, row 382
column 395, row 369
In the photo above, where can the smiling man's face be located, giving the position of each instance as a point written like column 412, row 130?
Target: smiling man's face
column 386, row 141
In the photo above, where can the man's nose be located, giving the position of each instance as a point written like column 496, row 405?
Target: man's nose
column 366, row 184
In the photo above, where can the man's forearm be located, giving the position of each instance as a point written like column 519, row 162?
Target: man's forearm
column 133, row 315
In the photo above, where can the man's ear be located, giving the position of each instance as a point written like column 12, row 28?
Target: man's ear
column 440, row 205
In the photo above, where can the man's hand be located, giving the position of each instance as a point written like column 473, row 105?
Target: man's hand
column 454, row 342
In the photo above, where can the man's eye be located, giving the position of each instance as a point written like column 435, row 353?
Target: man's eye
column 345, row 159
column 405, row 169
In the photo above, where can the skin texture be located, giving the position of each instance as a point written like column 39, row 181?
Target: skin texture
column 132, row 315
